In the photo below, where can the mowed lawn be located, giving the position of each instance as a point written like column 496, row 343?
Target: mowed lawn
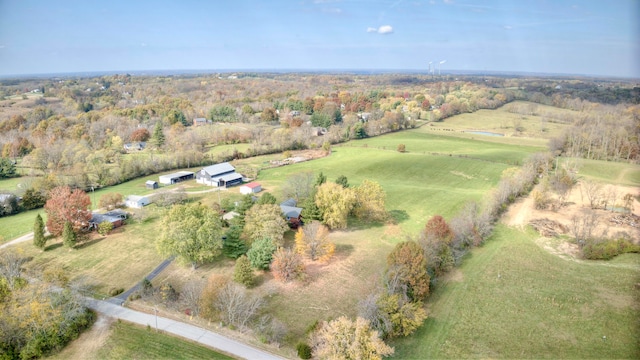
column 19, row 224
column 513, row 299
column 127, row 341
column 119, row 260
column 605, row 171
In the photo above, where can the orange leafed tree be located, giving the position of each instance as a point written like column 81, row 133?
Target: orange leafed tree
column 66, row 205
column 312, row 241
column 287, row 265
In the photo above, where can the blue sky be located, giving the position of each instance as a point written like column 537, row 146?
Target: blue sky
column 570, row 37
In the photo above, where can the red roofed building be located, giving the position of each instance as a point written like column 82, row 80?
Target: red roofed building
column 250, row 188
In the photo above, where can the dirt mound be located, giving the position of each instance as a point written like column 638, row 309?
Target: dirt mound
column 548, row 228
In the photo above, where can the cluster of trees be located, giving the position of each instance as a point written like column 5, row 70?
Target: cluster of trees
column 36, row 319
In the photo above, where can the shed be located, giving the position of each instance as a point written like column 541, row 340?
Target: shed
column 135, row 201
column 150, row 184
column 220, row 175
column 250, row 188
column 176, row 177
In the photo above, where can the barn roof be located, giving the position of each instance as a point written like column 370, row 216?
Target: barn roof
column 252, row 185
column 217, row 169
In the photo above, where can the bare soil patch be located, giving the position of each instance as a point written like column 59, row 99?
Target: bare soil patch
column 552, row 223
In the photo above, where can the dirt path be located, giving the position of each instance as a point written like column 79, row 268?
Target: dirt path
column 519, row 213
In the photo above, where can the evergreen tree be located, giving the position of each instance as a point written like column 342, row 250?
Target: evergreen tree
column 38, row 233
column 7, row 168
column 321, row 179
column 68, row 235
column 311, row 211
column 342, row 180
column 266, row 198
column 233, row 246
column 158, row 135
column 243, row 273
column 261, row 253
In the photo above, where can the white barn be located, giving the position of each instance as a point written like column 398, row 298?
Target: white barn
column 135, row 201
column 220, row 175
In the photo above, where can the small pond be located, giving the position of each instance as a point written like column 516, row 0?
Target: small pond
column 486, row 133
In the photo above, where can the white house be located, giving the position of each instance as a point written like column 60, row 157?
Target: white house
column 221, row 175
column 250, row 188
column 135, row 201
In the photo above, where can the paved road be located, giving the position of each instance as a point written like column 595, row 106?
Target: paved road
column 22, row 238
column 125, row 295
column 181, row 329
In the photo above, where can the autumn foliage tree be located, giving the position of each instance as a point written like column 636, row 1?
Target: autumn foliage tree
column 265, row 221
column 140, row 134
column 287, row 265
column 110, row 200
column 64, row 206
column 335, row 204
column 369, row 201
column 344, row 338
column 436, row 243
column 312, row 241
column 407, row 271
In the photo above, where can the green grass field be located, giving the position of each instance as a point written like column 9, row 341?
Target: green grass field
column 119, row 260
column 19, row 224
column 128, row 341
column 606, row 171
column 513, row 299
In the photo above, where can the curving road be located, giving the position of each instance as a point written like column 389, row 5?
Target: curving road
column 187, row 331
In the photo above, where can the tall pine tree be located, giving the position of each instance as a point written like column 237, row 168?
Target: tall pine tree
column 243, row 273
column 38, row 233
column 68, row 235
column 158, row 136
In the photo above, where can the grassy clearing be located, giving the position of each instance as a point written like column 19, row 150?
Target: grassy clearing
column 16, row 185
column 128, row 341
column 119, row 260
column 513, row 299
column 606, row 171
column 540, row 123
column 418, row 186
column 19, row 224
column 228, row 149
column 423, row 142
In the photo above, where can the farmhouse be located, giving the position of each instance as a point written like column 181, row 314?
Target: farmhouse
column 220, row 175
column 200, row 121
column 150, row 184
column 176, row 177
column 115, row 217
column 135, row 201
column 291, row 212
column 135, row 146
column 250, row 188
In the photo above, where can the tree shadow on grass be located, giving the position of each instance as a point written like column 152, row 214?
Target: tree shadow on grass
column 88, row 243
column 398, row 216
column 53, row 246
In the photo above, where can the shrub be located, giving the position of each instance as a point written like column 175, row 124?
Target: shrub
column 608, row 249
column 115, row 291
column 402, row 148
column 304, row 350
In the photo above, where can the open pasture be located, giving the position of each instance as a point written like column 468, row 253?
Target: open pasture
column 418, row 186
column 518, row 118
column 604, row 171
column 513, row 299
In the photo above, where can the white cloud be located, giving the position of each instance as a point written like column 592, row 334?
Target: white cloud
column 384, row 29
column 508, row 27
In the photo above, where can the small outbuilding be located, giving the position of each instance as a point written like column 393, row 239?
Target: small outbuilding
column 150, row 184
column 250, row 188
column 135, row 201
column 177, row 177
